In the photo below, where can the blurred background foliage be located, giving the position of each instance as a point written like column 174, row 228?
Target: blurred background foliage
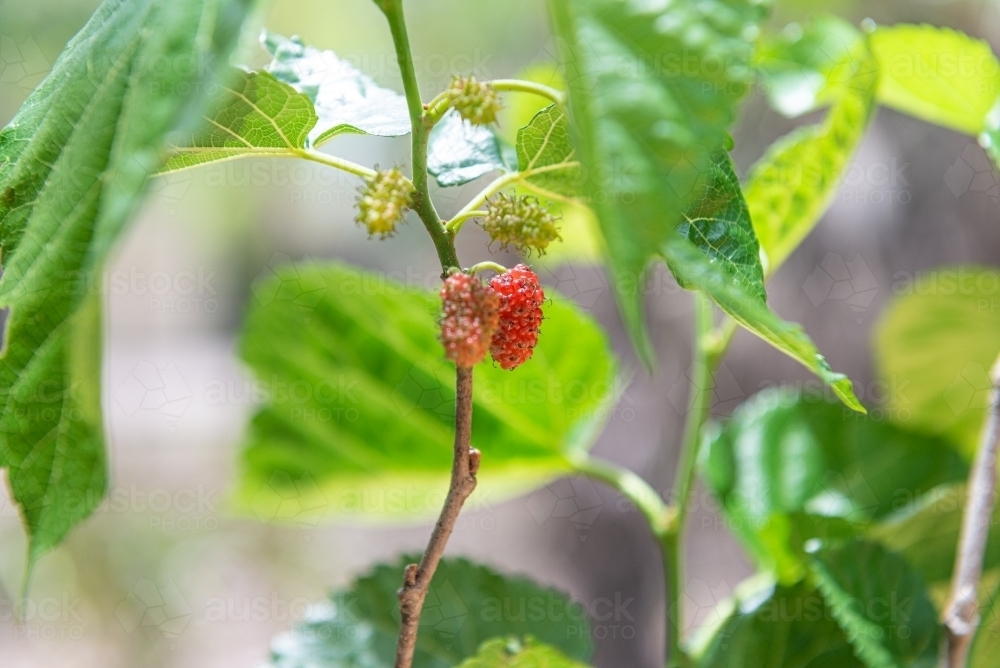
column 165, row 575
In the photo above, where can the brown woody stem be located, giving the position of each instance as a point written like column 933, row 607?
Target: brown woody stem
column 417, row 578
column 961, row 614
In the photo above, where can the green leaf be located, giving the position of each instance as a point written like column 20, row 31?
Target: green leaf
column 926, row 531
column 790, row 467
column 459, row 152
column 691, row 268
column 935, row 345
column 546, row 155
column 73, row 164
column 986, row 646
column 796, row 64
column 719, row 225
column 793, row 184
column 879, row 602
column 255, row 115
column 939, row 75
column 467, row 605
column 346, row 100
column 645, row 133
column 779, row 627
column 360, row 417
column 513, row 653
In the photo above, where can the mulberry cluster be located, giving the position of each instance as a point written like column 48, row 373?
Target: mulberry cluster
column 471, row 317
column 520, row 222
column 477, row 101
column 383, row 202
column 521, row 298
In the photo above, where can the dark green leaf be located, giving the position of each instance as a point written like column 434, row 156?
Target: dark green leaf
column 514, row 653
column 255, row 115
column 466, row 606
column 789, row 468
column 719, row 225
column 790, row 188
column 653, row 88
column 346, row 100
column 879, row 602
column 360, row 417
column 691, row 268
column 926, row 532
column 546, row 155
column 779, row 627
column 938, row 74
column 796, row 64
column 936, row 344
column 459, row 152
column 73, row 163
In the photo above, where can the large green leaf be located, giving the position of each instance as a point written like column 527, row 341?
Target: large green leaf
column 546, row 155
column 346, row 100
column 255, row 115
column 73, row 163
column 719, row 225
column 793, row 184
column 646, row 131
column 879, row 602
column 789, row 468
column 926, row 531
column 360, row 417
column 514, row 653
column 692, row 268
column 779, row 627
column 935, row 345
column 459, row 152
column 796, row 64
column 937, row 74
column 467, row 605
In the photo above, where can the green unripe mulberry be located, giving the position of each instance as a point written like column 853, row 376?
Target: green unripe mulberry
column 383, row 201
column 475, row 100
column 521, row 223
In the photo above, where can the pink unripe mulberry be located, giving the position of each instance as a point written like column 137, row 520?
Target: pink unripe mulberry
column 521, row 298
column 471, row 316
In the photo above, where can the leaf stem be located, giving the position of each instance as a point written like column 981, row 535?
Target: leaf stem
column 333, row 161
column 420, row 125
column 659, row 516
column 510, row 179
column 417, row 577
column 455, row 224
column 709, row 345
column 521, row 86
column 961, row 614
column 487, row 266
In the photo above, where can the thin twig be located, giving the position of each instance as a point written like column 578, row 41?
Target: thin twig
column 417, row 578
column 961, row 615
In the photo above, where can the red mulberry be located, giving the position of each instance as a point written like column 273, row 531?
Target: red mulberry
column 521, row 298
column 471, row 317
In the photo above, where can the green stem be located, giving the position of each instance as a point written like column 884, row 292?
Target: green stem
column 455, row 224
column 487, row 266
column 420, row 125
column 707, row 353
column 658, row 515
column 521, row 86
column 333, row 161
